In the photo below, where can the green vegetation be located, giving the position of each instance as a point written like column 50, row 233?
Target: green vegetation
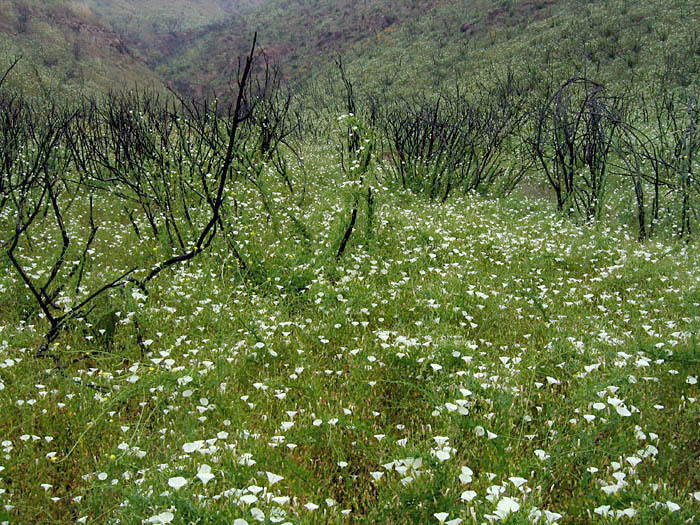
column 556, row 362
column 414, row 294
column 614, row 42
column 65, row 51
column 142, row 18
column 401, row 47
column 405, row 47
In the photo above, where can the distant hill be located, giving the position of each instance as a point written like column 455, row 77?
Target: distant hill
column 397, row 46
column 406, row 45
column 299, row 35
column 150, row 26
column 65, row 48
column 156, row 16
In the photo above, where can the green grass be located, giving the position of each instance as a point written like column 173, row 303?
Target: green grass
column 462, row 359
column 480, row 333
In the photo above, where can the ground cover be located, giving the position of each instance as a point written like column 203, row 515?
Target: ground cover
column 474, row 361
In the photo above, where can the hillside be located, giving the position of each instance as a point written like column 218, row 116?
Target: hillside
column 153, row 28
column 300, row 36
column 389, row 45
column 138, row 18
column 410, row 45
column 613, row 42
column 65, row 48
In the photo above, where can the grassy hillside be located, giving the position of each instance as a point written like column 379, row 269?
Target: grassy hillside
column 65, row 48
column 614, row 42
column 396, row 47
column 420, row 45
column 295, row 34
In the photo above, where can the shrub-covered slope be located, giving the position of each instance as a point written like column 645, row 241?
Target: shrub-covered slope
column 404, row 46
column 394, row 46
column 65, row 48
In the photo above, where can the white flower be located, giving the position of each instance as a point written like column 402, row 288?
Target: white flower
column 162, row 518
column 633, row 460
column 623, row 411
column 552, row 516
column 612, row 489
column 177, row 482
column 541, row 454
column 629, row 513
column 673, row 507
column 273, row 478
column 442, row 455
column 188, row 448
column 204, row 474
column 249, row 499
column 466, row 475
column 506, row 506
column 468, row 495
column 517, row 481
column 603, row 510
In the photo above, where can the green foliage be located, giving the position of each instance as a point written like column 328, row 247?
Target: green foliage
column 467, row 317
column 66, row 51
column 345, row 349
column 406, row 47
column 390, row 46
